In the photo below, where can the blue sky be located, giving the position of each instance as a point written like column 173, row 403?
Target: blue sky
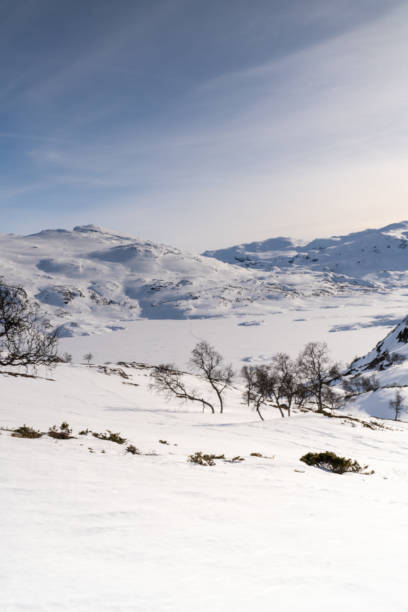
column 203, row 123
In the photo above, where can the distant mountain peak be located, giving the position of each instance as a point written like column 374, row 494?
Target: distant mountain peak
column 359, row 255
column 91, row 228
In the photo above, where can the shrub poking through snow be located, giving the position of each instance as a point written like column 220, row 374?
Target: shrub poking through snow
column 84, row 432
column 26, row 432
column 133, row 450
column 110, row 436
column 332, row 462
column 63, row 433
column 209, row 459
column 164, row 442
column 203, row 458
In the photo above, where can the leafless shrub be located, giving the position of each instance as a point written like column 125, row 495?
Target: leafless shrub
column 360, row 384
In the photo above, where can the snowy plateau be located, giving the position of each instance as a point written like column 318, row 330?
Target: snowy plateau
column 87, row 526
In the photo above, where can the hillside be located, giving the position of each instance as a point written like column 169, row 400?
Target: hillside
column 387, row 365
column 91, row 528
column 93, row 280
column 149, row 530
column 373, row 255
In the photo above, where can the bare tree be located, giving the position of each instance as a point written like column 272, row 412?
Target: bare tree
column 278, row 385
column 25, row 335
column 249, row 375
column 319, row 372
column 397, row 404
column 256, row 391
column 210, row 364
column 168, row 380
column 287, row 388
column 355, row 385
column 88, row 357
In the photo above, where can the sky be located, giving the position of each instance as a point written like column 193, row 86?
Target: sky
column 203, row 123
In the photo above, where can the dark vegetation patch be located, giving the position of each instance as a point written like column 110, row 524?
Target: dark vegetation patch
column 236, row 459
column 133, row 450
column 134, row 364
column 62, row 433
column 331, row 462
column 110, row 436
column 201, row 458
column 26, row 432
column 403, row 335
column 24, row 375
column 374, row 425
column 103, row 369
column 384, row 360
column 204, row 459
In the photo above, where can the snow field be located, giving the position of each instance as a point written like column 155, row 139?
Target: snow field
column 93, row 531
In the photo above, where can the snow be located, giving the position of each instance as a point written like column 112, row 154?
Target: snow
column 360, row 255
column 151, row 341
column 89, row 527
column 92, row 280
column 93, row 531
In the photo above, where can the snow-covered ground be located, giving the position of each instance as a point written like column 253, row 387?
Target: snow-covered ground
column 350, row 327
column 91, row 280
column 89, row 527
column 369, row 255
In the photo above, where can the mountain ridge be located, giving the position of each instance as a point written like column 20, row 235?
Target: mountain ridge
column 92, row 279
column 358, row 254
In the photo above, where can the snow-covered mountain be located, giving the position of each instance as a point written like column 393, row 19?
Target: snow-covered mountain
column 393, row 349
column 386, row 365
column 91, row 279
column 373, row 255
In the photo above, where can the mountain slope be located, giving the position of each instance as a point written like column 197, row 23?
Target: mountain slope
column 378, row 255
column 387, row 365
column 91, row 279
column 90, row 527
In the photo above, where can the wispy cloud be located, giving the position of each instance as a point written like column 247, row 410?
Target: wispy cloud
column 239, row 152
